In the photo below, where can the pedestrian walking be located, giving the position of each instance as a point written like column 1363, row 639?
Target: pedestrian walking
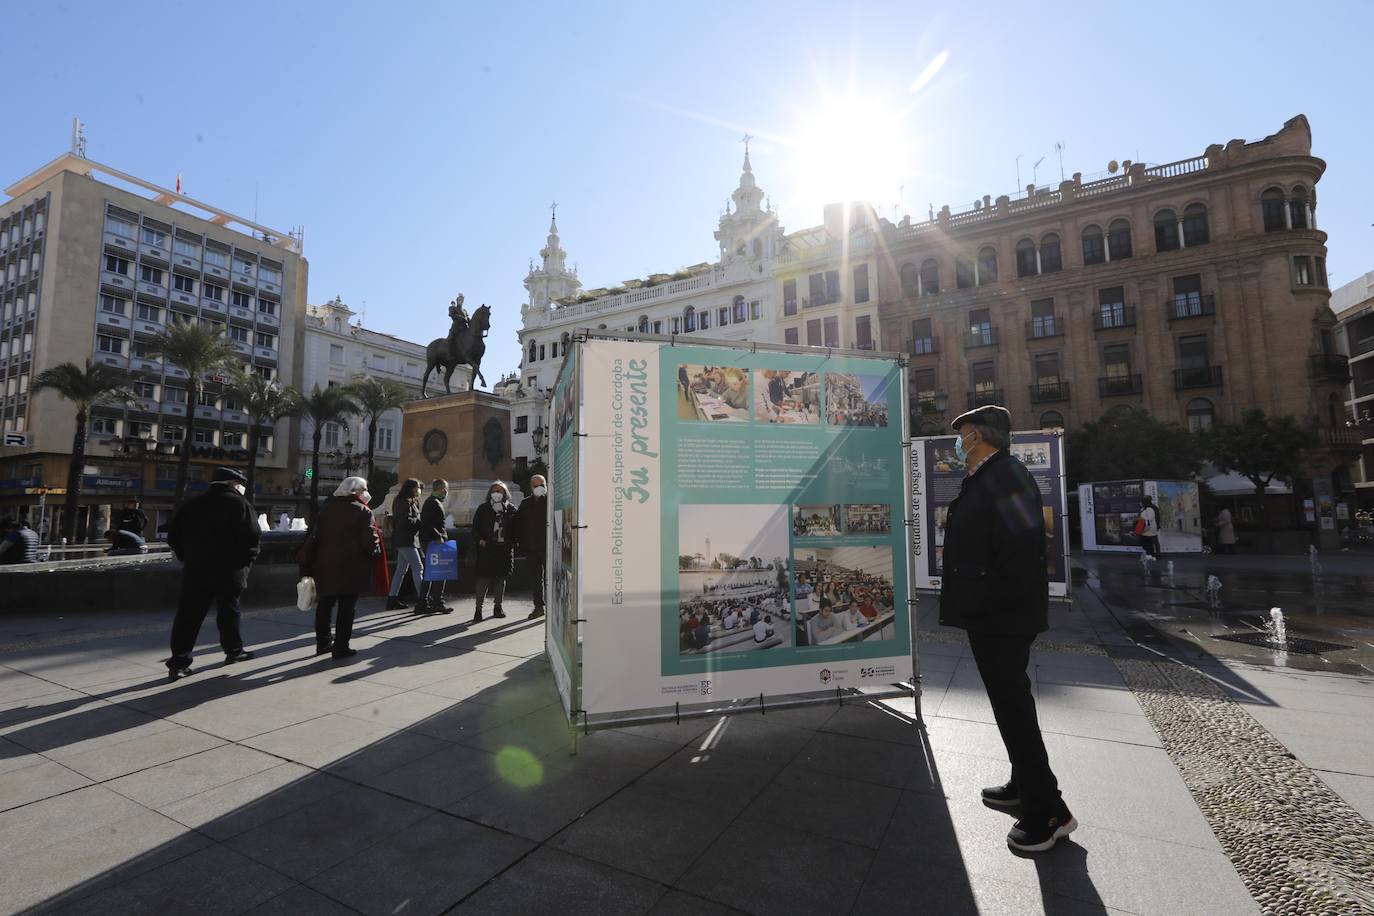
column 532, row 526
column 1149, row 533
column 1226, row 532
column 433, row 528
column 132, row 517
column 995, row 587
column 339, row 552
column 493, row 528
column 405, row 534
column 18, row 542
column 215, row 536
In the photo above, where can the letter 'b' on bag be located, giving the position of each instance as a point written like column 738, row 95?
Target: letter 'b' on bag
column 441, row 561
column 1139, row 528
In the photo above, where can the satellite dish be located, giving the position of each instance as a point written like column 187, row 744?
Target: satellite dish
column 1112, row 167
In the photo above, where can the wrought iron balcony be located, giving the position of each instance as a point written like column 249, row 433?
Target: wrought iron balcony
column 1341, row 440
column 1329, row 367
column 1106, row 319
column 1109, row 386
column 1197, row 377
column 1044, row 326
column 929, row 402
column 1049, row 392
column 922, row 346
column 987, row 337
column 984, row 397
column 1191, row 305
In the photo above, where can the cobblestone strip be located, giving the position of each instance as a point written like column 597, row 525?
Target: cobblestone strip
column 1297, row 845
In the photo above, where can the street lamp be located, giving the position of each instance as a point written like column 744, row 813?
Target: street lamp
column 537, row 436
column 344, row 459
column 140, row 449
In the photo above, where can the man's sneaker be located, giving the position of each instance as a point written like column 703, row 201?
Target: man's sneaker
column 1004, row 796
column 176, row 674
column 1039, row 835
column 396, row 604
column 241, row 655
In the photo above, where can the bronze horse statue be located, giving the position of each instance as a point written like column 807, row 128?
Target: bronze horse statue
column 464, row 345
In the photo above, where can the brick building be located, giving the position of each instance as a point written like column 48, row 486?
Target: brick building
column 1194, row 290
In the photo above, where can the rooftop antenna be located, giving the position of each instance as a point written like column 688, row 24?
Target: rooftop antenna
column 1036, row 168
column 1059, row 148
column 78, row 138
column 255, row 200
column 1018, row 170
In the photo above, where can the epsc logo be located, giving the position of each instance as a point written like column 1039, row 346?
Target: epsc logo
column 867, row 672
column 706, row 688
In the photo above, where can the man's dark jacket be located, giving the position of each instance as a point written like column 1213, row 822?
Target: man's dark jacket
column 216, row 535
column 432, row 527
column 134, row 520
column 531, row 522
column 994, row 578
column 405, row 523
column 497, row 559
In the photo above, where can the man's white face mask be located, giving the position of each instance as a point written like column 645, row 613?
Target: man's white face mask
column 497, row 499
column 365, row 496
column 540, row 490
column 239, row 488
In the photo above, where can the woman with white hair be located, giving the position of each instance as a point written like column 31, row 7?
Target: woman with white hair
column 493, row 528
column 341, row 557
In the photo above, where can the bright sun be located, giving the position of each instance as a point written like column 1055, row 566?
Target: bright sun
column 849, row 147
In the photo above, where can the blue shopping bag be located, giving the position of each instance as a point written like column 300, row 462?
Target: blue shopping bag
column 441, row 561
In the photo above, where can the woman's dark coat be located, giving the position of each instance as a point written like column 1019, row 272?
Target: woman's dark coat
column 345, row 543
column 497, row 559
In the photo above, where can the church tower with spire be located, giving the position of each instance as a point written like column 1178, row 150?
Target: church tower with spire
column 551, row 282
column 749, row 232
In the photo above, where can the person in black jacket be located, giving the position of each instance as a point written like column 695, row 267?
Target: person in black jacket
column 995, row 586
column 215, row 536
column 493, row 530
column 433, row 528
column 405, row 534
column 532, row 526
column 132, row 517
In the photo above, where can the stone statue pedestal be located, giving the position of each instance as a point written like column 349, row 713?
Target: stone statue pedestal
column 463, row 438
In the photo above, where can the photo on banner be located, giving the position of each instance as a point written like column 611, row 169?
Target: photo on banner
column 787, row 397
column 732, row 578
column 843, row 594
column 855, row 399
column 713, row 393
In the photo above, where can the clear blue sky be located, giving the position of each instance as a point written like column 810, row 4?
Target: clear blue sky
column 420, row 144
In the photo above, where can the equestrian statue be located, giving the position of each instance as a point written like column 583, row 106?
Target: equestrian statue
column 464, row 345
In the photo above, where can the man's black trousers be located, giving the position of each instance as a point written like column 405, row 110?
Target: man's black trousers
column 1002, row 661
column 194, row 604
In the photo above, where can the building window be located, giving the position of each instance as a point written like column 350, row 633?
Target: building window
column 832, row 331
column 522, row 424
column 980, row 326
column 722, row 316
column 910, row 279
column 923, row 388
column 543, row 347
column 677, row 324
column 987, row 266
column 533, row 351
column 271, row 275
column 1188, row 296
column 207, row 399
column 689, row 318
column 1051, row 257
column 150, row 275
column 183, row 284
column 1200, row 414
column 155, row 237
column 813, row 332
column 267, row 307
column 244, row 301
column 212, row 291
column 1193, row 360
column 963, row 273
column 336, row 352
column 172, row 395
column 1116, row 360
column 188, row 249
column 832, row 286
column 1119, row 240
column 1272, row 207
column 984, row 376
column 863, row 332
column 1302, row 271
column 861, row 283
column 1297, row 208
column 755, row 310
column 216, row 258
column 643, row 329
column 267, row 340
column 203, row 437
column 1046, row 370
column 789, row 336
column 1321, row 270
column 386, row 437
column 1111, row 307
column 789, row 297
column 113, row 305
column 738, row 310
column 266, row 373
column 241, row 335
column 233, row 440
column 1166, row 231
column 171, row 433
column 1094, row 246
column 1051, row 419
column 117, row 265
column 331, row 435
column 1026, row 261
column 1042, row 318
column 244, row 266
column 109, row 344
column 116, row 227
column 1195, row 226
column 658, row 329
column 104, row 426
column 930, row 277
column 922, row 337
column 704, row 319
column 146, row 390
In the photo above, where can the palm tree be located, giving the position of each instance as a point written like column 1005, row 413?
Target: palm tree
column 200, row 351
column 93, row 386
column 327, row 405
column 265, row 402
column 374, row 397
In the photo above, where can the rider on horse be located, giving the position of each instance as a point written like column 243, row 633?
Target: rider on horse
column 459, row 314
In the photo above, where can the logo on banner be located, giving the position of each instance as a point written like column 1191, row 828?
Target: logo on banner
column 825, row 675
column 706, row 688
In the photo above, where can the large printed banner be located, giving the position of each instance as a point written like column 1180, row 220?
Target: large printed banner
column 561, row 636
column 936, row 474
column 1107, row 511
column 744, row 517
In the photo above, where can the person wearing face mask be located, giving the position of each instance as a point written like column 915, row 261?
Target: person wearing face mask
column 995, row 587
column 532, row 525
column 494, row 530
column 433, row 528
column 215, row 536
column 344, row 544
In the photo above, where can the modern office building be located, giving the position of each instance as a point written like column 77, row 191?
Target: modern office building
column 1194, row 290
column 1353, row 305
column 339, row 349
column 96, row 262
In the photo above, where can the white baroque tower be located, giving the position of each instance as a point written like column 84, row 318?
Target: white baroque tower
column 749, row 232
column 551, row 282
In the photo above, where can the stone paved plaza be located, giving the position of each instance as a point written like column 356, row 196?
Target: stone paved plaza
column 434, row 773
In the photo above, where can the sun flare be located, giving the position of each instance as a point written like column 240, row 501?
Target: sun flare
column 850, row 147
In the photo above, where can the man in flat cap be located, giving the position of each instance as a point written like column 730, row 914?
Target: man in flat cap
column 215, row 536
column 995, row 586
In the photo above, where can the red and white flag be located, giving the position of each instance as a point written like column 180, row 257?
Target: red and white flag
column 178, row 182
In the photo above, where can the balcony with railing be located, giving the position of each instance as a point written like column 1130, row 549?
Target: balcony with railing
column 923, row 346
column 927, row 403
column 1048, row 392
column 1111, row 386
column 1192, row 305
column 984, row 396
column 1197, row 377
column 1043, row 326
column 1340, row 439
column 1329, row 367
column 1120, row 316
column 980, row 337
